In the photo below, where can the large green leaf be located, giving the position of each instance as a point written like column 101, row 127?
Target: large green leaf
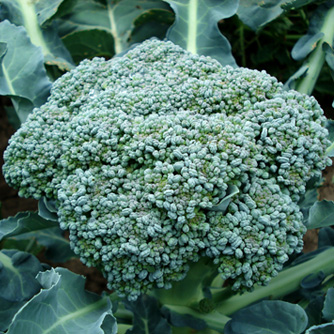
column 117, row 18
column 196, row 27
column 321, row 329
column 256, row 13
column 57, row 246
column 34, row 16
column 321, row 214
column 155, row 20
column 7, row 312
column 22, row 62
column 328, row 310
column 268, row 317
column 63, row 306
column 89, row 44
column 24, row 222
column 47, row 209
column 32, row 226
column 17, row 275
column 147, row 317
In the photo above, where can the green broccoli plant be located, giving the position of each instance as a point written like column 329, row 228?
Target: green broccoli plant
column 161, row 158
column 187, row 181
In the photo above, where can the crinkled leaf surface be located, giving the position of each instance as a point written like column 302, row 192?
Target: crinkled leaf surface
column 183, row 320
column 117, row 18
column 57, row 246
column 321, row 214
column 23, row 222
column 196, row 27
column 89, row 44
column 22, row 62
column 157, row 20
column 314, row 310
column 257, row 13
column 326, row 237
column 47, row 209
column 33, row 15
column 7, row 312
column 306, row 45
column 17, row 275
column 63, row 306
column 328, row 310
column 321, row 329
column 147, row 317
column 43, row 9
column 268, row 317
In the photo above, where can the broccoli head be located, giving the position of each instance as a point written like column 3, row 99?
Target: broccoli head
column 160, row 157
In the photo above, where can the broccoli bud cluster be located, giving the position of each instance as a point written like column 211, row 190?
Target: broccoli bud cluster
column 141, row 154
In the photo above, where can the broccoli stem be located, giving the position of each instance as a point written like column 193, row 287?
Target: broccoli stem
column 317, row 57
column 32, row 26
column 189, row 291
column 284, row 283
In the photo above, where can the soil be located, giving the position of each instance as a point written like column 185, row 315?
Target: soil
column 11, row 204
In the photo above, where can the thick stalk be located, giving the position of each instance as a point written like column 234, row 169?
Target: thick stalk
column 317, row 57
column 284, row 283
column 32, row 26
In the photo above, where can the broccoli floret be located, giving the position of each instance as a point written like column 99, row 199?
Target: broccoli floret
column 140, row 151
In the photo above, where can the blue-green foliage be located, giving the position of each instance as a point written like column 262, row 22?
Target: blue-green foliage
column 138, row 152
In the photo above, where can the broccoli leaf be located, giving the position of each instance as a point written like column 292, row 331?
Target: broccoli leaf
column 22, row 61
column 23, row 222
column 147, row 317
column 294, row 4
column 17, row 275
column 326, row 237
column 7, row 312
column 64, row 307
column 257, row 13
column 31, row 226
column 313, row 45
column 196, row 27
column 321, row 214
column 35, row 17
column 47, row 209
column 321, row 329
column 329, row 57
column 89, row 44
column 328, row 310
column 117, row 18
column 306, row 45
column 183, row 320
column 270, row 316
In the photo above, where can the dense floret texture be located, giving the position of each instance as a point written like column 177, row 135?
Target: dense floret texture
column 159, row 157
